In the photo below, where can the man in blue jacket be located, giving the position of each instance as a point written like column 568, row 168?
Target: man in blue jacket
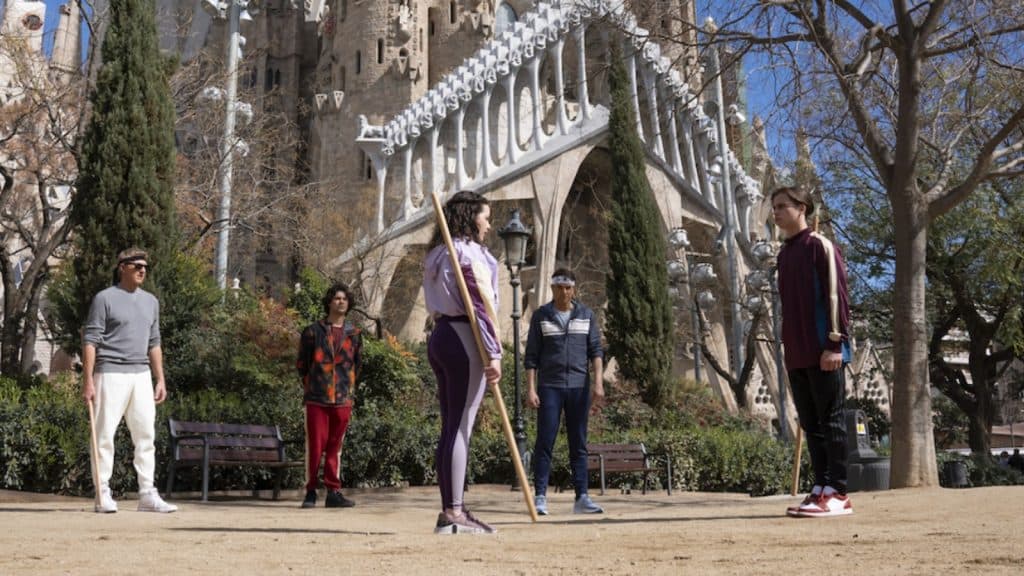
column 564, row 341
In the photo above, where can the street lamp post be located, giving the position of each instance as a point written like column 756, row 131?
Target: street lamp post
column 515, row 236
column 227, row 144
column 234, row 11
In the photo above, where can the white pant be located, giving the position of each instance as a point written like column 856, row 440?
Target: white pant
column 129, row 396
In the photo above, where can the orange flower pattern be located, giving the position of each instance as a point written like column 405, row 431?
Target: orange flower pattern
column 329, row 371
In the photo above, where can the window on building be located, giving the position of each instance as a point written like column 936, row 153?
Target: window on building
column 452, row 14
column 359, row 62
column 380, row 50
column 341, row 79
column 342, row 9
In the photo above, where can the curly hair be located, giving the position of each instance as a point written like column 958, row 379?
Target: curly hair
column 461, row 211
column 334, row 289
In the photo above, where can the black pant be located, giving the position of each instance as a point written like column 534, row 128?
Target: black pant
column 819, row 397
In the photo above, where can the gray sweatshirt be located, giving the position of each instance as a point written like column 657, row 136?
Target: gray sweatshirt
column 123, row 326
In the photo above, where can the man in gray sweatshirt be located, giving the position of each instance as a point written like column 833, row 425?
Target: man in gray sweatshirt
column 120, row 357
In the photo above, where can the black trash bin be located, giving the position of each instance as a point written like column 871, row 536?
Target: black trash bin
column 865, row 469
column 955, row 472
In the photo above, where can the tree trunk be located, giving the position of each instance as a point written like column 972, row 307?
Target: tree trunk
column 982, row 378
column 29, row 333
column 978, row 433
column 10, row 345
column 913, row 446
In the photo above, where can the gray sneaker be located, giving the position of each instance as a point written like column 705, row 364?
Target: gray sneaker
column 584, row 505
column 464, row 523
column 540, row 502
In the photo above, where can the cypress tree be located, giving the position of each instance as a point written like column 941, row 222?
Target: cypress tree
column 124, row 193
column 640, row 330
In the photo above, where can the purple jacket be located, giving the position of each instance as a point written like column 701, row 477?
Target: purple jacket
column 812, row 288
column 480, row 270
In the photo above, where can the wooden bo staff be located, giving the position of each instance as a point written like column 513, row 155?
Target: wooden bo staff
column 485, row 358
column 94, row 451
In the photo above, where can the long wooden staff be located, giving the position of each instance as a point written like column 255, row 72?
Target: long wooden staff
column 95, row 451
column 506, row 426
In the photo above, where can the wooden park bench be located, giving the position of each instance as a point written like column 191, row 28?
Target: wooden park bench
column 208, row 444
column 623, row 458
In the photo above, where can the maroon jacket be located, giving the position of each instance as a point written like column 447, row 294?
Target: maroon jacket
column 812, row 288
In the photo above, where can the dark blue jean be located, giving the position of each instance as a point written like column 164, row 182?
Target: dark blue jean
column 575, row 402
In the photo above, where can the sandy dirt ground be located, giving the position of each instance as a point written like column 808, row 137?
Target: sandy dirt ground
column 975, row 531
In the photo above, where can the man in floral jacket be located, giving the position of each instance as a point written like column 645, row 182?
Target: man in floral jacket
column 329, row 362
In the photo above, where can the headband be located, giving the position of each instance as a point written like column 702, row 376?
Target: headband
column 562, row 281
column 129, row 259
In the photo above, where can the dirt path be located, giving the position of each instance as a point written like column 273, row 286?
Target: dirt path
column 931, row 532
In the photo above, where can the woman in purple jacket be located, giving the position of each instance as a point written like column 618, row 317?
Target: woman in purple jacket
column 461, row 374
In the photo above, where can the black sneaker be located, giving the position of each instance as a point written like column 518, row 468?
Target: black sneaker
column 335, row 499
column 310, row 501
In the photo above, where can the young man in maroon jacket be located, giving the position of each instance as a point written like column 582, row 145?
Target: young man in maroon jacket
column 815, row 320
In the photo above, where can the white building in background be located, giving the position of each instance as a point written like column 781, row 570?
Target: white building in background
column 23, row 69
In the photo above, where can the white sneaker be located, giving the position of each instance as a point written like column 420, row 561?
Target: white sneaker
column 831, row 505
column 152, row 502
column 107, row 504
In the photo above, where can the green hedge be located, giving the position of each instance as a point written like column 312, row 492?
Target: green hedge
column 392, row 437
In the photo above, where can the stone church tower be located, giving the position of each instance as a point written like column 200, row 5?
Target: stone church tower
column 374, row 59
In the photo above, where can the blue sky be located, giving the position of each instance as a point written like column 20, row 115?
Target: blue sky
column 52, row 19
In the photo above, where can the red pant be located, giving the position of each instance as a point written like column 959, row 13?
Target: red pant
column 325, row 432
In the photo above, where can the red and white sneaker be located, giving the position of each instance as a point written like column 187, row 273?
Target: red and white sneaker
column 831, row 505
column 810, row 500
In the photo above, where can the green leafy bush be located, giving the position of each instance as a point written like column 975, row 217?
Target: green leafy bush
column 245, row 375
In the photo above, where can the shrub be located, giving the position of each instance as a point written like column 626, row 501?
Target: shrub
column 245, row 376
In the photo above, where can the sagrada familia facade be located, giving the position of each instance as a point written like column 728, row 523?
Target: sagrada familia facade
column 395, row 100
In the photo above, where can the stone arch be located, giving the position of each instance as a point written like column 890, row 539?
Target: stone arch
column 582, row 238
column 402, row 311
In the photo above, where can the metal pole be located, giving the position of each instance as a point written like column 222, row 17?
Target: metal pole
column 730, row 214
column 227, row 144
column 518, row 426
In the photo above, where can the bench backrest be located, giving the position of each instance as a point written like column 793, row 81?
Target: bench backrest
column 617, row 452
column 226, row 442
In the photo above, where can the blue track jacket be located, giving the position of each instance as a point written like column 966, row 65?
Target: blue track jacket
column 561, row 355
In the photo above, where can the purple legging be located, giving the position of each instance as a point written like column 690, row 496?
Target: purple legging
column 460, row 389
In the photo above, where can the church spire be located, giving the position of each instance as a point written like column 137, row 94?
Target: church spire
column 67, row 40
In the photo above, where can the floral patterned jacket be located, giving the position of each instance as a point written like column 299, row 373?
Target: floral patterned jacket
column 329, row 379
